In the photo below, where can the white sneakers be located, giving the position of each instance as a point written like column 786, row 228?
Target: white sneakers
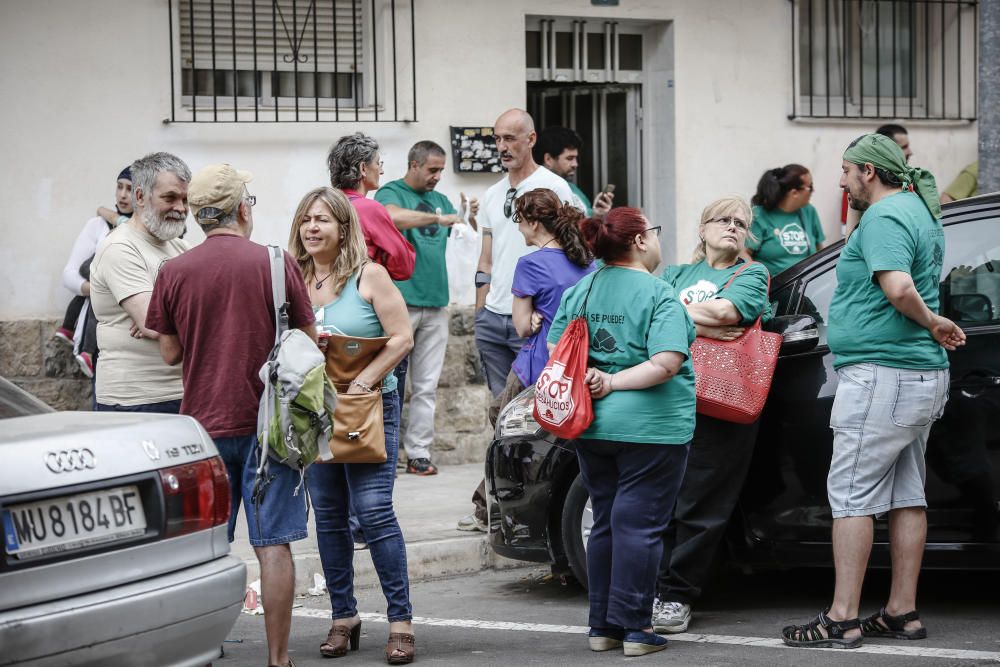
column 670, row 617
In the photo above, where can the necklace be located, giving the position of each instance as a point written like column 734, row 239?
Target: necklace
column 319, row 283
column 548, row 242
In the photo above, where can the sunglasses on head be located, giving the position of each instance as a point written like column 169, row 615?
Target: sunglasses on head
column 508, row 202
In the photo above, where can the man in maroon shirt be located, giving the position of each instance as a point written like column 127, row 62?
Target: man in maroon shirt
column 355, row 167
column 215, row 314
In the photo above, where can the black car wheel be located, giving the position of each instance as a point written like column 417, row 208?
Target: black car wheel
column 577, row 522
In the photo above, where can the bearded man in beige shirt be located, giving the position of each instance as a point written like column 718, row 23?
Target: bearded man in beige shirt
column 132, row 376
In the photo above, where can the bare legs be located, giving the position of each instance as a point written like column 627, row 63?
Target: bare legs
column 907, row 535
column 277, row 588
column 852, row 544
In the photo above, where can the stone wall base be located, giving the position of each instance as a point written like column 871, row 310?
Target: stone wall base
column 32, row 357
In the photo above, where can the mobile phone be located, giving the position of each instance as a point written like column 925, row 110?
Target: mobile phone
column 609, row 188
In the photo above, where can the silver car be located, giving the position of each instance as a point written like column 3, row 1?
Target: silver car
column 115, row 548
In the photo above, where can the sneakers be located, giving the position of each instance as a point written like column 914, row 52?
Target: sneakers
column 671, row 617
column 65, row 335
column 86, row 364
column 471, row 523
column 422, row 467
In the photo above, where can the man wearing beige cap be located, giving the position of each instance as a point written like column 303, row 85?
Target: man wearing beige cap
column 214, row 313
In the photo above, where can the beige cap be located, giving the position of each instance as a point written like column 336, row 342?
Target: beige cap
column 216, row 190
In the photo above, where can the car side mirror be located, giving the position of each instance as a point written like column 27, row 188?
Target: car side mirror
column 970, row 308
column 799, row 333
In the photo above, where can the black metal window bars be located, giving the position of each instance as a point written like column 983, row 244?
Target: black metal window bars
column 902, row 59
column 292, row 61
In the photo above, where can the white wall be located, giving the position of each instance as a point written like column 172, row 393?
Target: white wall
column 87, row 86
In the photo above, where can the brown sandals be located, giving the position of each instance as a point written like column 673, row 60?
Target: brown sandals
column 400, row 648
column 338, row 638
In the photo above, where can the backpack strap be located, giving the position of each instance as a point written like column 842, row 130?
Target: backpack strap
column 586, row 298
column 276, row 266
column 278, row 291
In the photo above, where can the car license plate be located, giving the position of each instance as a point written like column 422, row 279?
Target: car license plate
column 73, row 522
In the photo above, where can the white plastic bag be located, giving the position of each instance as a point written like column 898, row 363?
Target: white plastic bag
column 461, row 258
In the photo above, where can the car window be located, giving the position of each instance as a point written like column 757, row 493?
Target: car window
column 970, row 284
column 15, row 402
column 816, row 297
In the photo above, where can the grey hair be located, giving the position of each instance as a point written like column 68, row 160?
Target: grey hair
column 421, row 151
column 346, row 156
column 230, row 219
column 147, row 168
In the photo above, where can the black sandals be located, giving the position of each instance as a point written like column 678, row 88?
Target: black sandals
column 810, row 636
column 892, row 627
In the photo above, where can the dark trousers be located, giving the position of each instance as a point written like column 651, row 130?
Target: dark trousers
column 73, row 312
column 716, row 468
column 632, row 490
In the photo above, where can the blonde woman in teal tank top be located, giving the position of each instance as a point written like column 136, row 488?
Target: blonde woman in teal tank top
column 353, row 296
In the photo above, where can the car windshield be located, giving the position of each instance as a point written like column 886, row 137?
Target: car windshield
column 15, row 402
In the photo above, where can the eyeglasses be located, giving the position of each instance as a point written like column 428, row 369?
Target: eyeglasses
column 729, row 220
column 655, row 230
column 508, row 203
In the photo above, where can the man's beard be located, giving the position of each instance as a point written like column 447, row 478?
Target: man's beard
column 860, row 205
column 165, row 227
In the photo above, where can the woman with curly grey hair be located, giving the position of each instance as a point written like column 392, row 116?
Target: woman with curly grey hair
column 355, row 167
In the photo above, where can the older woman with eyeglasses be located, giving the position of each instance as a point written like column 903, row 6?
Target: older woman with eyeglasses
column 786, row 227
column 723, row 294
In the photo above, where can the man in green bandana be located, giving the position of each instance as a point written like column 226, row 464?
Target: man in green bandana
column 889, row 346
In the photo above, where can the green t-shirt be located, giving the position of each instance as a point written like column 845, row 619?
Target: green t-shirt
column 784, row 238
column 584, row 201
column 625, row 332
column 428, row 286
column 695, row 283
column 896, row 233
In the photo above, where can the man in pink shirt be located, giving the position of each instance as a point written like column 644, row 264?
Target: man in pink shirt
column 355, row 167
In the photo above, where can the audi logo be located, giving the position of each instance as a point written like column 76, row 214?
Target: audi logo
column 70, row 460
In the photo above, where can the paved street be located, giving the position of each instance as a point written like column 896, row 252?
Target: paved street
column 517, row 617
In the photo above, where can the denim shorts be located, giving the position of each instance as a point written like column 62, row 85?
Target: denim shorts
column 881, row 418
column 281, row 516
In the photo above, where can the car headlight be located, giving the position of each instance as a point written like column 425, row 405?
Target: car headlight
column 516, row 417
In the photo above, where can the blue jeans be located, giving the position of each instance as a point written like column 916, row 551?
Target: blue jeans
column 632, row 491
column 280, row 517
column 171, row 407
column 334, row 489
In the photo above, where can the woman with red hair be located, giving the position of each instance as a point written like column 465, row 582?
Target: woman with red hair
column 633, row 456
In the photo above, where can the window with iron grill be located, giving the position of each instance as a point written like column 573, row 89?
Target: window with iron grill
column 293, row 60
column 884, row 59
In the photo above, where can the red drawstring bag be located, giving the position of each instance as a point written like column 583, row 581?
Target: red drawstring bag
column 732, row 378
column 562, row 399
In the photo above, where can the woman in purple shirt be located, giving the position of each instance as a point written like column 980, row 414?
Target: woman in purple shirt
column 540, row 279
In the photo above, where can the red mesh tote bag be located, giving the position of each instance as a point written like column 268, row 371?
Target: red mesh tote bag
column 562, row 399
column 733, row 378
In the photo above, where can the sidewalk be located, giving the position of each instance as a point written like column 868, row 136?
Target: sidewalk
column 428, row 509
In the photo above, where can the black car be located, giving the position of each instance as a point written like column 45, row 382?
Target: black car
column 539, row 508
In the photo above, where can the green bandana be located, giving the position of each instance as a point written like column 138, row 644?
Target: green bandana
column 886, row 154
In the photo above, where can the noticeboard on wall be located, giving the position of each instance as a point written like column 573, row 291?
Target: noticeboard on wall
column 474, row 149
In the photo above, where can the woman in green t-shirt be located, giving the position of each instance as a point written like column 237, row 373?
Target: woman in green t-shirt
column 633, row 455
column 786, row 228
column 720, row 451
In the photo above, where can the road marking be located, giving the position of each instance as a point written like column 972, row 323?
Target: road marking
column 760, row 642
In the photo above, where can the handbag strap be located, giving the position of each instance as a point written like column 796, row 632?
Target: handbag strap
column 277, row 258
column 740, row 270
